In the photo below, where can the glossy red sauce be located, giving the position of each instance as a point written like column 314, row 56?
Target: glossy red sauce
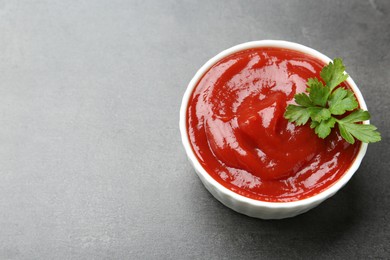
column 238, row 133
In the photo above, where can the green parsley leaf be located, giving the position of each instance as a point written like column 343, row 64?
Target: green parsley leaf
column 318, row 92
column 312, row 81
column 324, row 128
column 342, row 100
column 299, row 115
column 303, row 100
column 357, row 116
column 319, row 114
column 333, row 74
column 362, row 132
column 345, row 134
column 314, row 124
column 323, row 101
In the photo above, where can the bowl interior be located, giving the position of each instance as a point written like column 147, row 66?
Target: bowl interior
column 200, row 170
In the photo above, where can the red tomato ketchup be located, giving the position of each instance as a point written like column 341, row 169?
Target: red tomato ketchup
column 239, row 135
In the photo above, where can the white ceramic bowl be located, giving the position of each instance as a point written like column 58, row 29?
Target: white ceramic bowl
column 239, row 203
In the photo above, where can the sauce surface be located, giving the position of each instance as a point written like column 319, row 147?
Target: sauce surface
column 238, row 133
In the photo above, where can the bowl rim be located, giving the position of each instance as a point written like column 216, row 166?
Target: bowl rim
column 225, row 191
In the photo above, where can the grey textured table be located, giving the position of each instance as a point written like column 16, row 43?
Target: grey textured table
column 91, row 161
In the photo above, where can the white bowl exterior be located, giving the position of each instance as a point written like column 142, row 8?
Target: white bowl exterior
column 239, row 203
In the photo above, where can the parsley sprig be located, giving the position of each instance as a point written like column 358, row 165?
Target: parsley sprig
column 324, row 102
